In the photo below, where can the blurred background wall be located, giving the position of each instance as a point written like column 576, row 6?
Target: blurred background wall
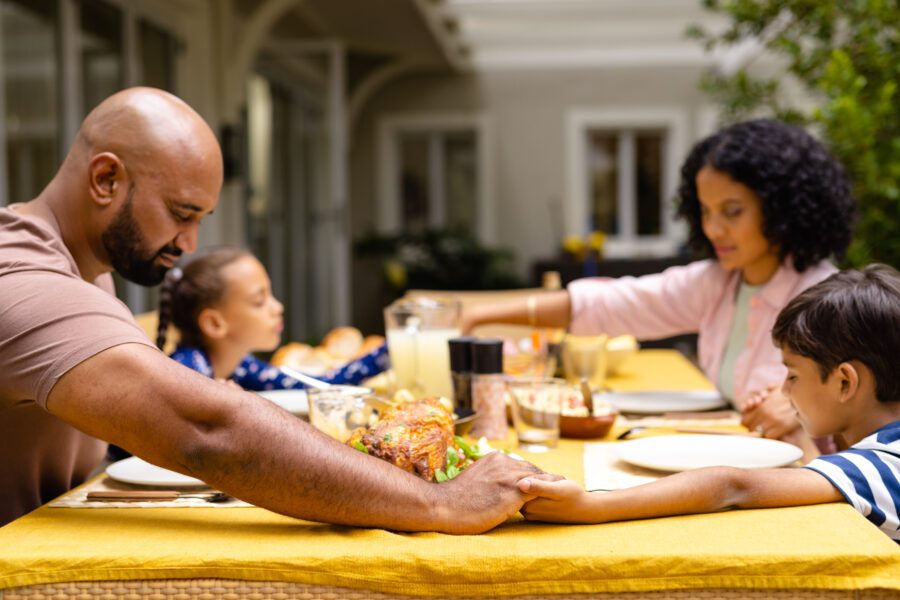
column 513, row 123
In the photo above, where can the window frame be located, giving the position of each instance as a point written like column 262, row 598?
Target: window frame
column 580, row 122
column 391, row 128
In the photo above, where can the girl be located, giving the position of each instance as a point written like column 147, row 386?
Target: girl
column 772, row 206
column 222, row 304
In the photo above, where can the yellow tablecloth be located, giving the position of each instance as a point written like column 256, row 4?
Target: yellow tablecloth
column 818, row 547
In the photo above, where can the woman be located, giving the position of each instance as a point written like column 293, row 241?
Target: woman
column 222, row 304
column 772, row 205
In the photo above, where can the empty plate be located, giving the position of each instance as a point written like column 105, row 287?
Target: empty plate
column 662, row 401
column 293, row 401
column 137, row 471
column 683, row 452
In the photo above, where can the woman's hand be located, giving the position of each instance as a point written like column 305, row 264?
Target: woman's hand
column 469, row 319
column 562, row 501
column 770, row 414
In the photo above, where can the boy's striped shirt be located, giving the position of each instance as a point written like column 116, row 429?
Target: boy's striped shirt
column 868, row 476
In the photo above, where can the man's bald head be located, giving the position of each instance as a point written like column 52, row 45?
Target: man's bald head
column 143, row 126
column 153, row 170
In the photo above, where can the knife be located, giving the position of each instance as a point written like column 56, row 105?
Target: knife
column 153, row 496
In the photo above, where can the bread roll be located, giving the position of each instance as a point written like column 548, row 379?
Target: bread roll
column 343, row 342
column 291, row 355
column 370, row 343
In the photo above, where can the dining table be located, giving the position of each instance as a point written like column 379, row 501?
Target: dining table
column 821, row 551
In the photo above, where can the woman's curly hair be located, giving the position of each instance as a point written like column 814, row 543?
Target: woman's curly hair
column 807, row 203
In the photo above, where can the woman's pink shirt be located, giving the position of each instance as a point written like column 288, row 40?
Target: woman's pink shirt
column 696, row 298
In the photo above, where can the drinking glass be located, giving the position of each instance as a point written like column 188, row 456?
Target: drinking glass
column 536, row 403
column 584, row 357
column 339, row 409
column 417, row 335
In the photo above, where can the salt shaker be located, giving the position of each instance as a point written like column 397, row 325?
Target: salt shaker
column 461, row 371
column 488, row 389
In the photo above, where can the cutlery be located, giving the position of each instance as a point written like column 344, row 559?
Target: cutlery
column 153, row 496
column 588, row 396
column 310, row 381
column 709, row 414
column 629, row 432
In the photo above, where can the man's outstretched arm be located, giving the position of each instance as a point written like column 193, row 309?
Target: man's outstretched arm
column 135, row 397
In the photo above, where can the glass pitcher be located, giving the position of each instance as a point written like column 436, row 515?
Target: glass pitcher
column 417, row 335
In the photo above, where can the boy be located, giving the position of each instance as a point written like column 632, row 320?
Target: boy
column 840, row 341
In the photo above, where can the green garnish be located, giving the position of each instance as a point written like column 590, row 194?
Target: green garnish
column 360, row 447
column 452, row 457
column 388, row 437
column 470, row 452
column 440, row 476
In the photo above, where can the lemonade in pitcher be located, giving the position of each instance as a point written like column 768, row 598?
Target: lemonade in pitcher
column 417, row 335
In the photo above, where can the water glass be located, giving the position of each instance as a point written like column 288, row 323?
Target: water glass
column 536, row 403
column 584, row 357
column 339, row 409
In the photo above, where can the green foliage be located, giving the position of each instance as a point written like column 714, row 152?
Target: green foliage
column 440, row 259
column 846, row 56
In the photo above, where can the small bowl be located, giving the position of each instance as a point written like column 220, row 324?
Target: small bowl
column 618, row 349
column 585, row 428
column 464, row 421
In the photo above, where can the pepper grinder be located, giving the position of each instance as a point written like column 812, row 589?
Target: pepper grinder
column 461, row 371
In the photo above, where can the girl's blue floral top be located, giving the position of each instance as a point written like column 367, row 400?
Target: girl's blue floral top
column 257, row 375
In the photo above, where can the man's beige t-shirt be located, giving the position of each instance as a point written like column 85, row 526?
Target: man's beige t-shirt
column 50, row 321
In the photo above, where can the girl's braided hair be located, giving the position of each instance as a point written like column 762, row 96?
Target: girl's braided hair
column 186, row 291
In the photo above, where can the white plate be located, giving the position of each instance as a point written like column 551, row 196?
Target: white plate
column 139, row 472
column 683, row 452
column 293, row 401
column 662, row 401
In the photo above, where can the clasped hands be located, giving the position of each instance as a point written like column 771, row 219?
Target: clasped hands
column 769, row 413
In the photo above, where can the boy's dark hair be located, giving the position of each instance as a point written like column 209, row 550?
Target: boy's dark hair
column 807, row 203
column 852, row 315
column 186, row 291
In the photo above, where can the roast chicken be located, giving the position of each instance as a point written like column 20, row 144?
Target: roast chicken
column 412, row 435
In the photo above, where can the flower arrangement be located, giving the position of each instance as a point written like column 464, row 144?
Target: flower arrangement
column 580, row 248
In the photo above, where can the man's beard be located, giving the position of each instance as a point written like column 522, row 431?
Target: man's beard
column 127, row 248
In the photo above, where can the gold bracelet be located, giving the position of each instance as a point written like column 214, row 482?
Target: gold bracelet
column 531, row 303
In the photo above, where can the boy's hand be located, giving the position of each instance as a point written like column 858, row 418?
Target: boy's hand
column 562, row 501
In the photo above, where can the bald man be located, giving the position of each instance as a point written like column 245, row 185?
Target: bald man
column 142, row 173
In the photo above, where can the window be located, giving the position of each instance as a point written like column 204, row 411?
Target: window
column 30, row 123
column 435, row 172
column 286, row 212
column 158, row 50
column 101, row 52
column 622, row 177
column 625, row 181
column 438, row 180
column 58, row 60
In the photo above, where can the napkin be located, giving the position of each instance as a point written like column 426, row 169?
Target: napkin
column 604, row 471
column 77, row 498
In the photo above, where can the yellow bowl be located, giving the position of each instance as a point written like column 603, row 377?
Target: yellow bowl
column 618, row 349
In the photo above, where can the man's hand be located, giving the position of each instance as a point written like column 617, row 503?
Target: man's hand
column 770, row 414
column 561, row 501
column 484, row 495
